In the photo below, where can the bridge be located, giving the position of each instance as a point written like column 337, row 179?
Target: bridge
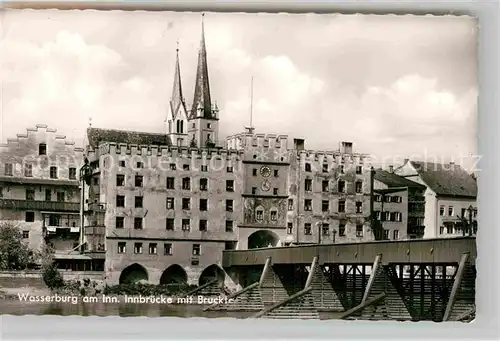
column 413, row 280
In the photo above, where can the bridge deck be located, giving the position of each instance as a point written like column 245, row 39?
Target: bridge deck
column 441, row 250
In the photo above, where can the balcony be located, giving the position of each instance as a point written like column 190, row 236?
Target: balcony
column 38, row 205
column 96, row 207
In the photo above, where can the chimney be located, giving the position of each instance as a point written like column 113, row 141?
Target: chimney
column 391, row 169
column 298, row 144
column 346, row 147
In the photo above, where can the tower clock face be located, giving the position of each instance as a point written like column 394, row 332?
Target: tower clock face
column 266, row 186
column 265, row 171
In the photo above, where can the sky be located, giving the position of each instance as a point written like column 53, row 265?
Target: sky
column 395, row 86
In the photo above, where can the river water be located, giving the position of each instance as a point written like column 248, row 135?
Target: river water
column 17, row 307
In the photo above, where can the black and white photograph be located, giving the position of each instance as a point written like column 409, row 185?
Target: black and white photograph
column 238, row 165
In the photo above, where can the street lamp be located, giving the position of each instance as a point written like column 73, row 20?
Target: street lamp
column 470, row 209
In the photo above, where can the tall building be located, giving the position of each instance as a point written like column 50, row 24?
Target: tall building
column 39, row 192
column 450, row 197
column 399, row 206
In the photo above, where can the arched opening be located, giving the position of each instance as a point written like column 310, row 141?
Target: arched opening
column 174, row 274
column 182, row 127
column 211, row 273
column 133, row 274
column 262, row 238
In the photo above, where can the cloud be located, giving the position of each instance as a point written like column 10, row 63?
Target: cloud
column 390, row 84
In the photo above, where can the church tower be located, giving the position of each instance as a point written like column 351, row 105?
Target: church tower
column 177, row 113
column 203, row 123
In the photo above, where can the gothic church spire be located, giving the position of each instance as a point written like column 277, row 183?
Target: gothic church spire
column 202, row 105
column 177, row 100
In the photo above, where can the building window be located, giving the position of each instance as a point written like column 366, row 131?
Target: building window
column 196, row 249
column 341, row 206
column 307, row 167
column 53, row 172
column 450, row 211
column 359, row 187
column 276, row 173
column 138, row 180
column 463, row 213
column 170, row 203
column 167, row 249
column 152, row 248
column 325, row 205
column 342, row 229
column 186, row 203
column 173, row 166
column 397, row 216
column 359, row 230
column 42, row 149
column 1, row 192
column 308, row 185
column 9, row 169
column 122, row 247
column 275, row 191
column 186, row 184
column 185, row 167
column 395, row 235
column 138, row 202
column 204, row 168
column 72, row 173
column 441, row 210
column 229, row 226
column 229, row 186
column 254, row 172
column 229, row 169
column 386, row 216
column 359, row 207
column 290, row 204
column 30, row 194
column 186, row 225
column 28, row 170
column 119, row 222
column 60, row 196
column 325, row 230
column 342, row 169
column 307, row 205
column 274, row 215
column 140, row 164
column 170, row 224
column 203, row 184
column 307, row 229
column 254, row 190
column 289, row 228
column 203, row 225
column 120, row 180
column 325, row 167
column 120, row 201
column 203, row 204
column 229, row 206
column 324, row 185
column 26, row 234
column 170, row 183
column 386, row 234
column 29, row 217
column 137, row 248
column 259, row 214
column 341, row 186
column 138, row 223
column 96, row 181
column 359, row 170
column 121, row 163
column 376, row 215
column 378, row 198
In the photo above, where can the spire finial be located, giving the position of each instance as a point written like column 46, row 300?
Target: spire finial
column 90, row 122
column 177, row 48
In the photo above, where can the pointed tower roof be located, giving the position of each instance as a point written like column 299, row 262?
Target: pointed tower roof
column 177, row 100
column 201, row 98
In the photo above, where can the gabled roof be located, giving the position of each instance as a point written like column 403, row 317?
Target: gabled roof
column 96, row 136
column 394, row 180
column 446, row 179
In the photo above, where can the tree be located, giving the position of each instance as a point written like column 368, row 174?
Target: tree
column 14, row 252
